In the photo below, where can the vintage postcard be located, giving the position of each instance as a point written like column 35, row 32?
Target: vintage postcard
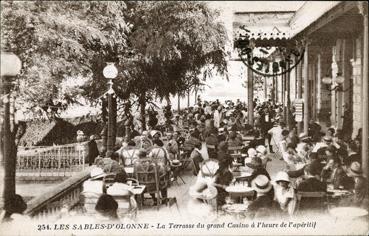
column 184, row 118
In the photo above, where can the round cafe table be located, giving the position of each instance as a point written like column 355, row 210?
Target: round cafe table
column 239, row 191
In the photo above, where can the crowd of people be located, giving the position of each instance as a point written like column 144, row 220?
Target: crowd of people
column 217, row 143
column 203, row 136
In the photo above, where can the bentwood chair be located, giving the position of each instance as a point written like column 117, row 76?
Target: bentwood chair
column 212, row 151
column 146, row 173
column 311, row 202
column 235, row 152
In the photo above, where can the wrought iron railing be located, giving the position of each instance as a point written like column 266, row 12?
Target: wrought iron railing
column 61, row 160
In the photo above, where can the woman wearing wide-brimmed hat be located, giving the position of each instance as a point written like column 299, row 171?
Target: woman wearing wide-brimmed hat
column 284, row 194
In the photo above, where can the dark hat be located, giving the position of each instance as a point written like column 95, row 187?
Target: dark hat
column 223, row 146
column 106, row 203
column 331, row 149
column 313, row 168
column 232, row 135
column 256, row 162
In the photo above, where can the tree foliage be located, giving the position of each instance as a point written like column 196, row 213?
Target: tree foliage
column 55, row 40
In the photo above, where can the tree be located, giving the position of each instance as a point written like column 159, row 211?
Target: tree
column 174, row 43
column 56, row 40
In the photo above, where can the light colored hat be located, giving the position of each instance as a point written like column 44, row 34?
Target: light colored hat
column 261, row 149
column 251, row 152
column 327, row 138
column 119, row 189
column 209, row 167
column 145, row 133
column 302, row 135
column 97, row 173
column 261, row 184
column 282, row 176
column 203, row 190
column 355, row 169
column 153, row 132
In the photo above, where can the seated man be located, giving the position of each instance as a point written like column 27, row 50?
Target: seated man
column 257, row 165
column 191, row 142
column 311, row 183
column 360, row 198
column 146, row 164
column 159, row 155
column 233, row 140
column 335, row 174
column 172, row 147
column 143, row 141
column 264, row 196
column 128, row 155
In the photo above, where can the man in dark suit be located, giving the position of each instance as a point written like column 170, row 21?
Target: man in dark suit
column 93, row 152
column 311, row 183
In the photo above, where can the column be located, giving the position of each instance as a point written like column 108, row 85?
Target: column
column 250, row 96
column 319, row 84
column 333, row 93
column 110, row 144
column 365, row 100
column 288, row 99
column 179, row 102
column 266, row 88
column 299, row 90
column 306, row 89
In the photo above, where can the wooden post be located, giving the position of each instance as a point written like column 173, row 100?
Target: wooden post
column 306, row 89
column 250, row 96
column 363, row 8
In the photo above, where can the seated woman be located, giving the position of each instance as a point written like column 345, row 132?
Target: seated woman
column 264, row 196
column 284, row 194
column 290, row 156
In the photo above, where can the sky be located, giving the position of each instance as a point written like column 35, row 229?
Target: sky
column 219, row 87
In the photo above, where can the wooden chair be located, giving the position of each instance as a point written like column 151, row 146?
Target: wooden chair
column 212, row 151
column 108, row 180
column 319, row 200
column 148, row 175
column 235, row 152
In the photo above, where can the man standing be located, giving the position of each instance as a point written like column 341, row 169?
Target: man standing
column 93, row 152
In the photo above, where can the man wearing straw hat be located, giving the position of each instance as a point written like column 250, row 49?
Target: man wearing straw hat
column 361, row 184
column 264, row 194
